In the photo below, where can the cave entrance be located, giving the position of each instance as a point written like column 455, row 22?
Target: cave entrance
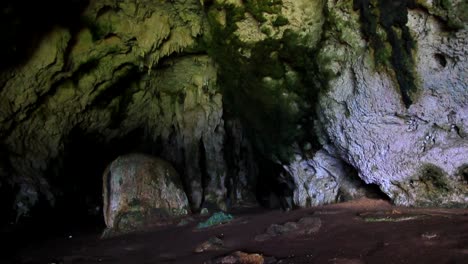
column 275, row 186
column 78, row 180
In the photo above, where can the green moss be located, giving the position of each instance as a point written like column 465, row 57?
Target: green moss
column 392, row 16
column 373, row 219
column 434, row 178
column 129, row 221
column 280, row 21
column 462, row 172
column 275, row 109
column 455, row 14
column 258, row 7
column 266, row 30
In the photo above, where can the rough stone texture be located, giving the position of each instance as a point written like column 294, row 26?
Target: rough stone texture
column 190, row 125
column 101, row 80
column 138, row 187
column 241, row 165
column 239, row 257
column 323, row 179
column 303, row 227
column 212, row 244
column 412, row 154
column 211, row 81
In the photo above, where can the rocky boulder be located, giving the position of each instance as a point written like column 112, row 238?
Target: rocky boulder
column 137, row 188
column 324, row 179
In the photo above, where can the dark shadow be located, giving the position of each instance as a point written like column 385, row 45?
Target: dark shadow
column 275, row 185
column 372, row 191
column 23, row 23
column 441, row 60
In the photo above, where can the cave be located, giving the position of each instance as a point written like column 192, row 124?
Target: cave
column 256, row 131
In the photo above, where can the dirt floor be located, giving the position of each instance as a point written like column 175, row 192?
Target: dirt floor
column 364, row 231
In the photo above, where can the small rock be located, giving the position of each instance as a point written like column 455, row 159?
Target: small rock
column 214, row 243
column 305, row 226
column 240, row 257
column 262, row 237
column 204, row 211
column 185, row 221
column 310, row 225
column 429, row 236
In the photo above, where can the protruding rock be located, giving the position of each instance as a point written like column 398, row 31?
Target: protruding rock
column 304, row 226
column 137, row 188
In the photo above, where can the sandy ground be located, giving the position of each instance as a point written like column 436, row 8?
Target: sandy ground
column 364, row 231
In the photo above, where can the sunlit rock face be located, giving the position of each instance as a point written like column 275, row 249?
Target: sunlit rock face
column 324, row 179
column 413, row 152
column 139, row 188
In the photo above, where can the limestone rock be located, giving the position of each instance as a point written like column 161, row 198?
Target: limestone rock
column 413, row 154
column 138, row 188
column 323, row 179
column 304, row 226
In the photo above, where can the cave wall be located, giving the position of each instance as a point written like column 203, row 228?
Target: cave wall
column 217, row 86
column 100, row 80
column 412, row 142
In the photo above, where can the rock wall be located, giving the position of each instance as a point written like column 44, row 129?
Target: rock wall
column 217, row 84
column 101, row 79
column 413, row 152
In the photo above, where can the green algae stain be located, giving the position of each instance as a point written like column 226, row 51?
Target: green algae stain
column 392, row 16
column 258, row 7
column 271, row 85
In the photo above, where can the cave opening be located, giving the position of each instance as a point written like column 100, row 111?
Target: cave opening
column 367, row 190
column 203, row 170
column 274, row 187
column 77, row 181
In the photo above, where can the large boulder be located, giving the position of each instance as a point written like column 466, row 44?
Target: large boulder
column 324, row 179
column 137, row 188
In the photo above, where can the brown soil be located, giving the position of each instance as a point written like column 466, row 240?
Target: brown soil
column 364, row 231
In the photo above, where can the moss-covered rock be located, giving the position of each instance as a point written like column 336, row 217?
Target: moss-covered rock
column 431, row 187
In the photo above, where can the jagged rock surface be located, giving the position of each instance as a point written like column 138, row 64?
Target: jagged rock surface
column 101, row 80
column 323, row 179
column 413, row 154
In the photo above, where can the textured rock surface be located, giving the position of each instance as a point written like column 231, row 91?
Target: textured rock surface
column 303, row 227
column 100, row 80
column 137, row 188
column 215, row 86
column 414, row 154
column 323, row 179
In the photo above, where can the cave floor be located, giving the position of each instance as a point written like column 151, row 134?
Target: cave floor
column 364, row 231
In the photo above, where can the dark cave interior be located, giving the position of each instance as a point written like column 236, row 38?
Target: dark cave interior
column 76, row 181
